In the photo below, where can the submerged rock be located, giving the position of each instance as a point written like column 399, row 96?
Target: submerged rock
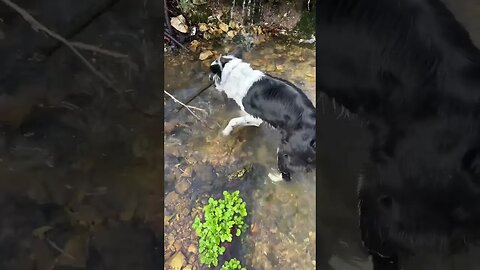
column 205, row 173
column 182, row 186
column 177, row 261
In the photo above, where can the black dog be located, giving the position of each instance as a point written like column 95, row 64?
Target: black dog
column 412, row 72
column 266, row 98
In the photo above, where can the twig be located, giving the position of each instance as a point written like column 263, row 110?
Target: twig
column 167, row 18
column 189, row 108
column 37, row 26
column 174, row 40
column 93, row 48
column 59, row 249
column 194, row 96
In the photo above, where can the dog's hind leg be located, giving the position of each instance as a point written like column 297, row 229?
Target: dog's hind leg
column 242, row 121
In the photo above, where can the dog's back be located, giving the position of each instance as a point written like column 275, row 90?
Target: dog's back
column 280, row 103
column 396, row 58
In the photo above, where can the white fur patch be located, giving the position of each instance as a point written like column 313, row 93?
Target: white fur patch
column 237, row 78
column 275, row 177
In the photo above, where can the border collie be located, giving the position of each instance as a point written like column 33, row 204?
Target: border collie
column 412, row 72
column 279, row 103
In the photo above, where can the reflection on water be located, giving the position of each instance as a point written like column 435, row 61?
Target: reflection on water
column 200, row 163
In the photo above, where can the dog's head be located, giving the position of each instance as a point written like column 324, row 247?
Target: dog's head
column 426, row 195
column 297, row 151
column 217, row 66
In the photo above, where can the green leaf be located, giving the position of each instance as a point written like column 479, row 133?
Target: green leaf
column 220, row 216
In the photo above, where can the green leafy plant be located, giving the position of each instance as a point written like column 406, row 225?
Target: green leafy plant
column 186, row 6
column 223, row 217
column 233, row 264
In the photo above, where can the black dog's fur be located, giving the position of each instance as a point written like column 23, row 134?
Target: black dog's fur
column 288, row 109
column 412, row 72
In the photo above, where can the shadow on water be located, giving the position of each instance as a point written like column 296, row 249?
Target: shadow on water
column 201, row 163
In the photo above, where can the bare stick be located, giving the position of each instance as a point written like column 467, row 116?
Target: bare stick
column 37, row 26
column 93, row 48
column 167, row 18
column 59, row 249
column 189, row 108
column 194, row 96
column 176, row 41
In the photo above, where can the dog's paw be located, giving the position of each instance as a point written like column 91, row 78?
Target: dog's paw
column 227, row 131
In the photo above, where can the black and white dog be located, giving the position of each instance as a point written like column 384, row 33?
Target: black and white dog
column 279, row 103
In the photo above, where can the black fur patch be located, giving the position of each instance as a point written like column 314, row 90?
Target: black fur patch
column 287, row 108
column 411, row 70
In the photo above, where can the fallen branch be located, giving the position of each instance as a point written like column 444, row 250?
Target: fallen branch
column 178, row 42
column 167, row 18
column 57, row 248
column 194, row 96
column 188, row 107
column 37, row 26
column 93, row 48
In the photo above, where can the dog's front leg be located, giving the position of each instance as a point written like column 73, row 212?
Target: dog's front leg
column 247, row 120
column 282, row 166
column 384, row 254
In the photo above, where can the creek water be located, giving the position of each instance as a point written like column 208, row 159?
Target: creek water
column 281, row 216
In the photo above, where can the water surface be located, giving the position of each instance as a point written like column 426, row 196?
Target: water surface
column 281, row 216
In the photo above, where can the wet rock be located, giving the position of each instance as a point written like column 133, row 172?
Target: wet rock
column 179, row 205
column 171, row 199
column 177, row 261
column 231, row 33
column 182, row 185
column 223, row 27
column 205, row 173
column 205, row 55
column 202, row 27
column 123, row 247
column 177, row 245
column 169, row 243
column 192, row 249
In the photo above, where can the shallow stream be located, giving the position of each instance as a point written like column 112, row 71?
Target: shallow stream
column 201, row 163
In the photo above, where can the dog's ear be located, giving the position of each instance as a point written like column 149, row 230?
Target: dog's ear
column 471, row 163
column 238, row 53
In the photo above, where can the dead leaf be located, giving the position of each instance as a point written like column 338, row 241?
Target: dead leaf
column 223, row 26
column 231, row 33
column 179, row 23
column 202, row 27
column 205, row 55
